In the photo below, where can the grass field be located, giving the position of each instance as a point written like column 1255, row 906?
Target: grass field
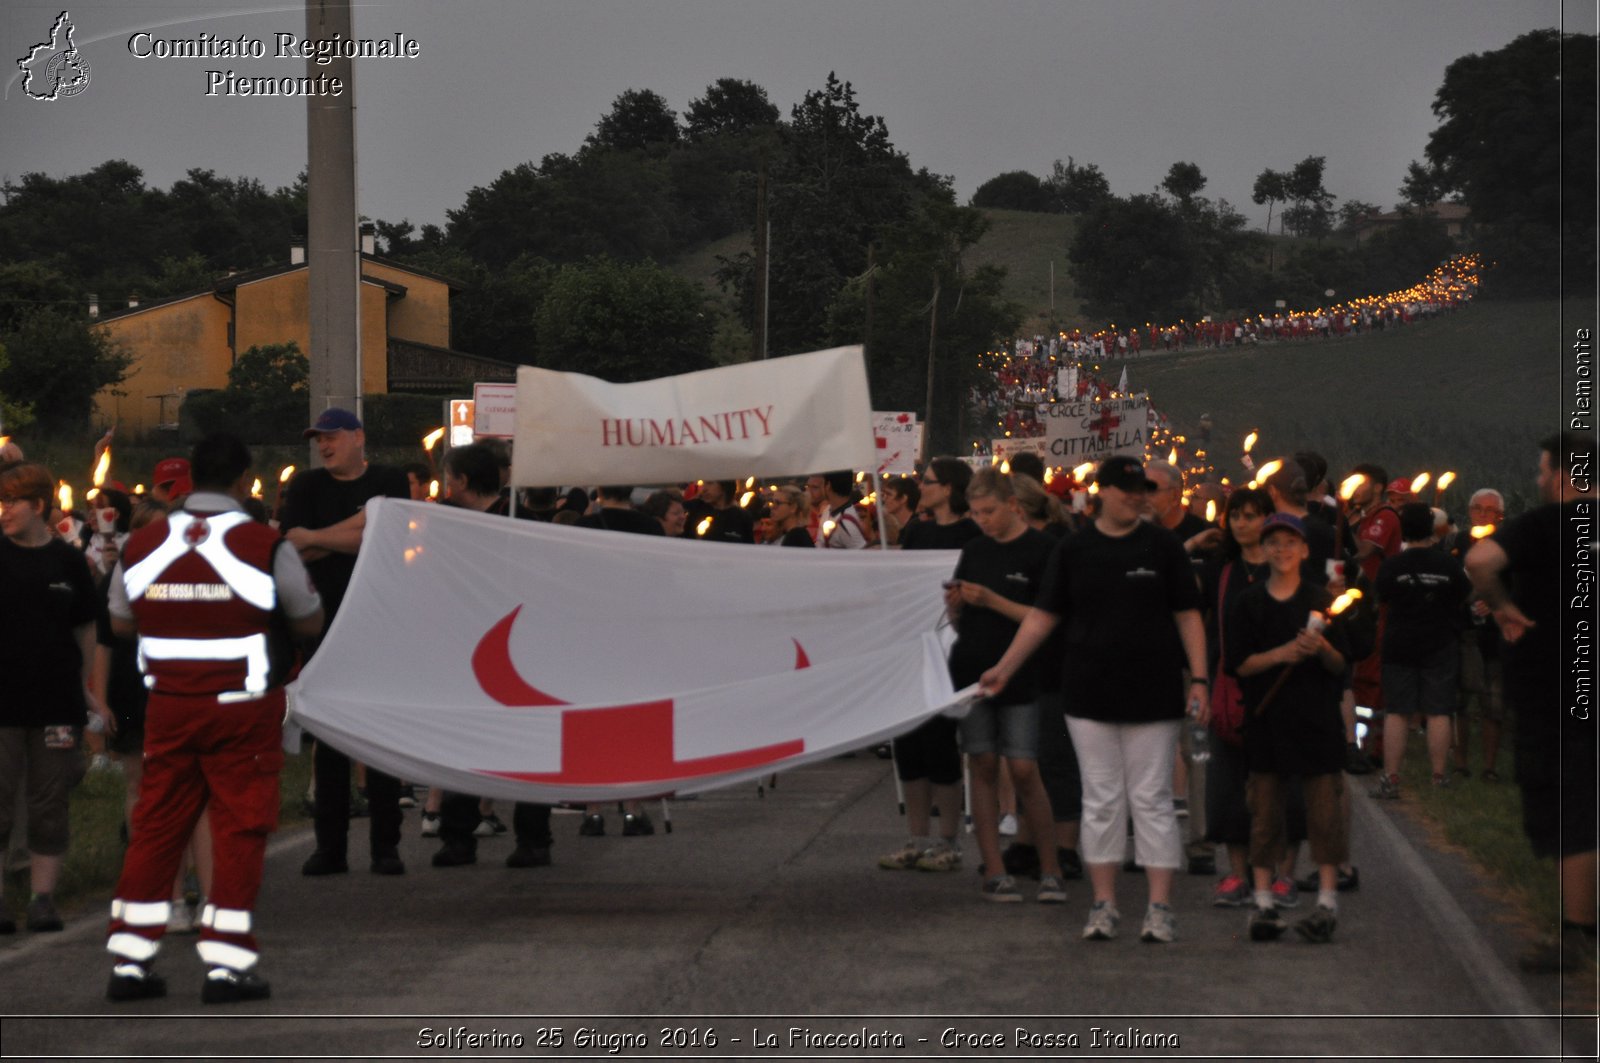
column 1473, row 392
column 1027, row 245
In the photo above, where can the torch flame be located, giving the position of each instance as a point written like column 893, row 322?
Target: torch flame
column 64, row 496
column 1445, row 480
column 1347, row 487
column 6, row 439
column 744, row 499
column 284, row 474
column 102, row 467
column 1049, row 474
column 703, row 527
column 431, row 440
column 1419, row 483
column 255, row 488
column 1265, row 472
column 1250, row 440
column 1479, row 531
column 1344, row 601
column 1081, row 471
column 1211, row 511
column 1094, row 488
column 1172, row 456
column 433, row 488
column 1005, row 468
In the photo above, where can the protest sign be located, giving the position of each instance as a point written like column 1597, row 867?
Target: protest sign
column 898, row 436
column 1096, row 429
column 787, row 416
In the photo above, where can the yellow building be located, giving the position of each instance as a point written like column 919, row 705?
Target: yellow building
column 188, row 342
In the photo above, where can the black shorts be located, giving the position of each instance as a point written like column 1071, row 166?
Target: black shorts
column 929, row 752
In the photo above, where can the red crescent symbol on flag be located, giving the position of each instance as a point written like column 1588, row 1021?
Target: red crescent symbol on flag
column 499, row 678
column 620, row 745
column 491, row 663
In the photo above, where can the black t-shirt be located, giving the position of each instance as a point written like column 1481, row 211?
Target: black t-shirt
column 1115, row 597
column 1190, row 526
column 1187, row 528
column 1533, row 546
column 125, row 690
column 797, row 537
column 1319, row 544
column 46, row 594
column 1300, row 732
column 316, row 500
column 613, row 518
column 931, row 535
column 1424, row 589
column 1013, row 570
column 1216, row 599
column 730, row 525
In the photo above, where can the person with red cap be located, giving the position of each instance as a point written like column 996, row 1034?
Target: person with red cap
column 170, row 481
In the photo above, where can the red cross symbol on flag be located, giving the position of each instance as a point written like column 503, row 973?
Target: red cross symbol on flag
column 1103, row 424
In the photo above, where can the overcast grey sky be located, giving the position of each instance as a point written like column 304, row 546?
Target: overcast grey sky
column 967, row 88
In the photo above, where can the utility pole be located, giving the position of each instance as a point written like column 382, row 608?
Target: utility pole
column 333, row 254
column 866, row 332
column 763, row 253
column 933, row 333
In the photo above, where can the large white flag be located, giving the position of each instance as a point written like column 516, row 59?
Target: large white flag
column 786, row 416
column 537, row 662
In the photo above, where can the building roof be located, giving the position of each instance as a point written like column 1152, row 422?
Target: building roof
column 234, row 280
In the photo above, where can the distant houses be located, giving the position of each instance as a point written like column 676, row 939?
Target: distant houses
column 1456, row 218
column 186, row 343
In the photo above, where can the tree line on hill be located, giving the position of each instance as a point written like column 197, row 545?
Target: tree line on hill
column 1515, row 145
column 559, row 258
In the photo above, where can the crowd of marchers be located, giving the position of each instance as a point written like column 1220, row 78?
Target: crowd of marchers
column 1198, row 671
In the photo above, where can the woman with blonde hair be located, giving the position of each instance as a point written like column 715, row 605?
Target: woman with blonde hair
column 790, row 510
column 1041, row 509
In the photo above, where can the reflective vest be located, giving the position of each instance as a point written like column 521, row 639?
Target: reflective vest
column 201, row 589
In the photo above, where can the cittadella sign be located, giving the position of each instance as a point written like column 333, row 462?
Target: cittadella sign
column 780, row 417
column 1095, row 429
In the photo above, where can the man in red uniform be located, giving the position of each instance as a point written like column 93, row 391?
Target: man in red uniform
column 213, row 596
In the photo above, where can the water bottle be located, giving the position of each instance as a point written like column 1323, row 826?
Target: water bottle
column 1199, row 735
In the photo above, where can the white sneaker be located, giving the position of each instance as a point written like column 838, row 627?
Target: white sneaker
column 1160, row 927
column 1008, row 825
column 1102, row 924
column 430, row 824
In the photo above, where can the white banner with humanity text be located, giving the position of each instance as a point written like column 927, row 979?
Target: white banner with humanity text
column 787, row 416
column 536, row 662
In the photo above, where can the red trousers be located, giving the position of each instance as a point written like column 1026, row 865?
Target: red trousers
column 1367, row 682
column 200, row 754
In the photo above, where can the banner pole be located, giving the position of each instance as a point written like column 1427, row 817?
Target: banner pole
column 883, row 525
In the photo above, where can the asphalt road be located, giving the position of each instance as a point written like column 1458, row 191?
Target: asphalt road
column 763, row 925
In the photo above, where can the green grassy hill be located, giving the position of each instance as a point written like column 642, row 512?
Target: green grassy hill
column 1473, row 392
column 1027, row 244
